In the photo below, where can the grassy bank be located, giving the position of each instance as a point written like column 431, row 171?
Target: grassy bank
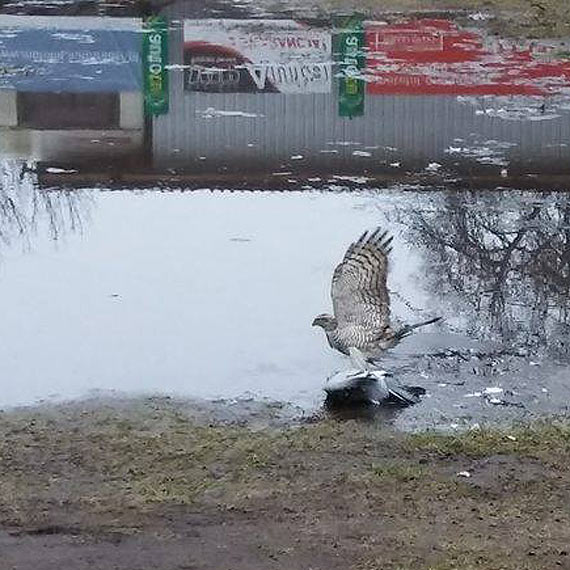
column 515, row 18
column 330, row 495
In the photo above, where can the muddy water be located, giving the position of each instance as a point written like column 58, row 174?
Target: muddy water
column 144, row 247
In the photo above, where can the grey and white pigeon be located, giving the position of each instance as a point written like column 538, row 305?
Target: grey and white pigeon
column 361, row 303
column 363, row 385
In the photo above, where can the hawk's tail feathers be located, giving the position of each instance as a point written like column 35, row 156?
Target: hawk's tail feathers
column 407, row 330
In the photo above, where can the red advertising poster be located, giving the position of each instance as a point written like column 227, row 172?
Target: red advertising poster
column 436, row 57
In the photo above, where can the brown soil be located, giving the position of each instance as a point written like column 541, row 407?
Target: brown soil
column 147, row 487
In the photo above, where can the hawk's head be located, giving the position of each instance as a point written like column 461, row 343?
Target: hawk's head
column 327, row 322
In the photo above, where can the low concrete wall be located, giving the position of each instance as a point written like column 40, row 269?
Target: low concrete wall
column 8, row 108
column 131, row 110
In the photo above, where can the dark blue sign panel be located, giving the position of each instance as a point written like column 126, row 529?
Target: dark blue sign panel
column 67, row 55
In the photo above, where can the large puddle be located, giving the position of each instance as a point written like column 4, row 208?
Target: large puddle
column 175, row 193
column 212, row 294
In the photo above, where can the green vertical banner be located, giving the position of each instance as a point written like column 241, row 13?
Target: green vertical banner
column 351, row 63
column 155, row 60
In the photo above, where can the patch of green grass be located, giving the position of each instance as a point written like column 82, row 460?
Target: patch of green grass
column 163, row 456
column 541, row 439
column 509, row 18
column 395, row 498
column 179, row 465
column 399, row 472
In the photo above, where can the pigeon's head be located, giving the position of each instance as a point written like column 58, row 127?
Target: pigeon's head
column 327, row 322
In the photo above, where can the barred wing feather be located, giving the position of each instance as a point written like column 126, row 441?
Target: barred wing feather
column 359, row 292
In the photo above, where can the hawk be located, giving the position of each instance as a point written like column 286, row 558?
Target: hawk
column 361, row 302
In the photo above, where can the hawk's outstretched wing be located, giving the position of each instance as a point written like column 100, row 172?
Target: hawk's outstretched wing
column 359, row 293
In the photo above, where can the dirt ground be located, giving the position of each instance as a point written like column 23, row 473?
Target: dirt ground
column 149, row 486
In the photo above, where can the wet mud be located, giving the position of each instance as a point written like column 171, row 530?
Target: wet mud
column 142, row 485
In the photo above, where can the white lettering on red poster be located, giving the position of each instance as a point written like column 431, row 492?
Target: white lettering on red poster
column 436, row 57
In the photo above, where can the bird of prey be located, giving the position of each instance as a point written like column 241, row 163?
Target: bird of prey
column 361, row 302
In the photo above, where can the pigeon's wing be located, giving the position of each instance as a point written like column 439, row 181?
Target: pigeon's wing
column 359, row 293
column 403, row 395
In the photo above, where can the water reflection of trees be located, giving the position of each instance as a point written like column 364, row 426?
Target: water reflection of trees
column 27, row 212
column 505, row 258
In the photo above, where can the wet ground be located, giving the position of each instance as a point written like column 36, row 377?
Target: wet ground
column 144, row 485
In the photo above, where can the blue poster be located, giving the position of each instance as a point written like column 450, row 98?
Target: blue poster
column 65, row 54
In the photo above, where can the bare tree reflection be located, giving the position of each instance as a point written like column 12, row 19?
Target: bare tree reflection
column 27, row 212
column 505, row 259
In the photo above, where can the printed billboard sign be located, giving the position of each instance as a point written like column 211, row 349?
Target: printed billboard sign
column 70, row 54
column 155, row 60
column 256, row 56
column 349, row 54
column 438, row 58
